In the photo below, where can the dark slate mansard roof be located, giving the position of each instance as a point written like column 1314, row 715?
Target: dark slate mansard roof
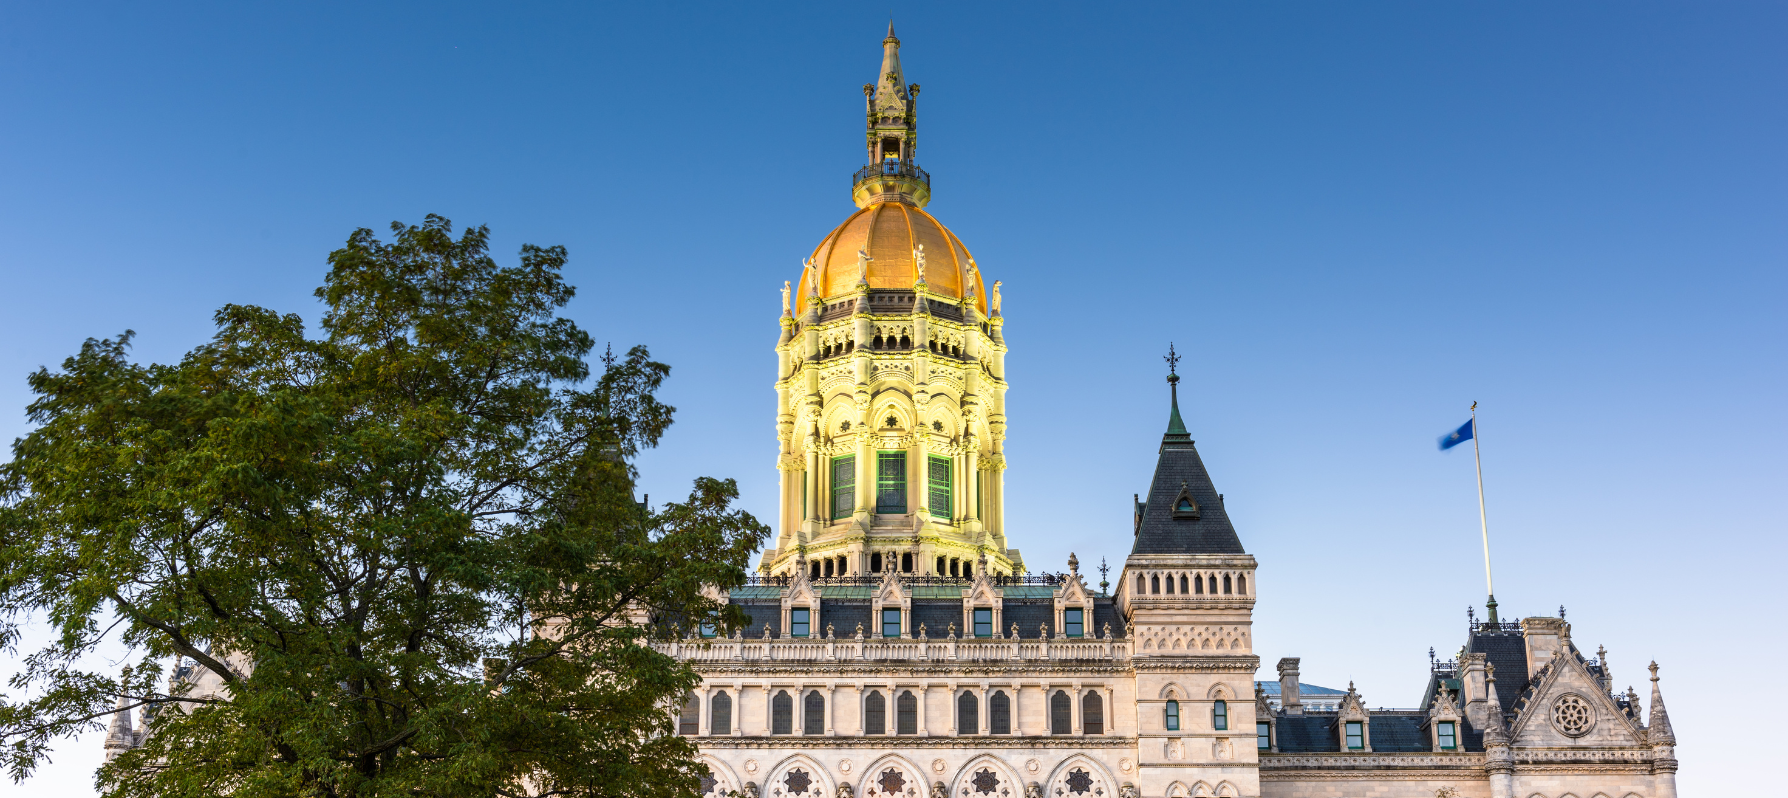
column 1159, row 531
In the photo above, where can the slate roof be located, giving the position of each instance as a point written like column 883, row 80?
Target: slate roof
column 1399, row 732
column 1105, row 612
column 761, row 613
column 1306, row 734
column 1160, row 532
column 1507, row 650
column 937, row 617
column 843, row 617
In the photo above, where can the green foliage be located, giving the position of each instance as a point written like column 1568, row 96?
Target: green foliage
column 404, row 555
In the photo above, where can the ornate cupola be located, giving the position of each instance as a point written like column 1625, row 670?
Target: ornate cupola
column 891, row 380
column 892, row 174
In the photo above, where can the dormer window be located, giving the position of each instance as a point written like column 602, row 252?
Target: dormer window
column 983, row 622
column 798, row 622
column 1184, row 506
column 891, row 622
column 1356, row 735
column 1449, row 736
column 1074, row 621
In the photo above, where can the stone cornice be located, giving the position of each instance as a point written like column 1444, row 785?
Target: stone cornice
column 880, row 672
column 1357, row 764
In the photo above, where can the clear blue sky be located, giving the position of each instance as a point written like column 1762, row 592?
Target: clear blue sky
column 1353, row 219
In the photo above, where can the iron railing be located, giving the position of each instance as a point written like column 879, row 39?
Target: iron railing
column 892, row 168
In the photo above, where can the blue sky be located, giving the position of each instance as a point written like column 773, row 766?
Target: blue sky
column 1352, row 219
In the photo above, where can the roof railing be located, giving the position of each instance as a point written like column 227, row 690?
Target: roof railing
column 759, row 580
column 892, row 168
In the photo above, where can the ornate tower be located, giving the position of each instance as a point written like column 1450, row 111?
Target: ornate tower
column 890, row 380
column 1187, row 594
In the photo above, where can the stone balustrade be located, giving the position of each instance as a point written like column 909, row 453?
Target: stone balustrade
column 892, row 650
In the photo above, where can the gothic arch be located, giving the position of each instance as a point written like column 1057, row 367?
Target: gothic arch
column 725, row 780
column 912, row 778
column 971, row 782
column 1220, row 691
column 1226, row 790
column 778, row 783
column 1177, row 790
column 1096, row 778
column 1173, row 692
column 1201, row 790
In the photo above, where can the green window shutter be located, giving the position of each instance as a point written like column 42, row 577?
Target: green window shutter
column 844, row 486
column 938, row 497
column 890, row 482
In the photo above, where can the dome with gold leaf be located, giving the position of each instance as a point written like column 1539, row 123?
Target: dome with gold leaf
column 890, row 232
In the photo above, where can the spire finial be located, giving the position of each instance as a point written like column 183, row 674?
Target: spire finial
column 1175, row 426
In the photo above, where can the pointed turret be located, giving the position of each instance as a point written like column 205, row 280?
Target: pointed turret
column 1184, row 513
column 1496, row 731
column 891, row 105
column 1657, row 729
column 121, row 735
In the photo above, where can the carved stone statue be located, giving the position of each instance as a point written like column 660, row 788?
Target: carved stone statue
column 751, row 789
column 863, row 260
column 1035, row 790
column 919, row 261
column 785, row 290
column 1128, row 791
column 996, row 297
column 844, row 790
column 938, row 790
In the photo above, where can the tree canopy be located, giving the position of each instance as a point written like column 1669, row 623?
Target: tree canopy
column 405, row 549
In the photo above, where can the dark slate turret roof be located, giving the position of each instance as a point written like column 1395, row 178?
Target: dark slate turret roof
column 1160, row 531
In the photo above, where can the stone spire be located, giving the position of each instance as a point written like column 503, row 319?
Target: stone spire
column 1495, row 731
column 121, row 735
column 891, row 107
column 1657, row 730
column 1184, row 513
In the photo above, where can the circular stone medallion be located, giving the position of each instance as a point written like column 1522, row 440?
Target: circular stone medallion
column 1572, row 716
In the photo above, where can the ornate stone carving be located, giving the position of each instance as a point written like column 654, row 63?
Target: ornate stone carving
column 1572, row 716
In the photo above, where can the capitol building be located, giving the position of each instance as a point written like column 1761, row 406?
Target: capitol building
column 901, row 647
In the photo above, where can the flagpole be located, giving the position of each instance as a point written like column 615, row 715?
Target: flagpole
column 1483, row 521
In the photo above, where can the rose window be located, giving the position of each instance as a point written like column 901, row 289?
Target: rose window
column 797, row 781
column 985, row 781
column 1572, row 715
column 1080, row 782
column 889, row 784
column 708, row 781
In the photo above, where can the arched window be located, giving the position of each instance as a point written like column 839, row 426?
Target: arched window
column 942, row 566
column 1171, row 717
column 782, row 713
column 1182, row 583
column 906, row 713
column 999, row 713
column 828, row 569
column 968, row 714
column 1241, row 584
column 814, row 569
column 1198, row 584
column 1226, row 584
column 1061, row 713
column 875, row 562
column 813, row 713
column 1170, row 584
column 906, row 563
column 1154, row 584
column 690, row 721
column 1220, row 715
column 875, row 713
column 1092, row 714
column 968, row 570
column 720, row 714
column 1141, row 585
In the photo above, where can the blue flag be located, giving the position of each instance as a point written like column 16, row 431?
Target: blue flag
column 1456, row 437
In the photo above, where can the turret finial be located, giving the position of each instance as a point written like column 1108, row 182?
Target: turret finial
column 1175, row 426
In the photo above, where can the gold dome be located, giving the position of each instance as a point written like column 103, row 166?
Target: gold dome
column 889, row 232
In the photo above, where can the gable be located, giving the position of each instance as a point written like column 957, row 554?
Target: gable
column 1568, row 709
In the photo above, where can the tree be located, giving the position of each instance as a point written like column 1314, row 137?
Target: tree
column 405, row 551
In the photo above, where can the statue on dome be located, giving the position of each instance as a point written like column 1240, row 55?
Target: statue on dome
column 996, row 297
column 919, row 261
column 863, row 260
column 785, row 289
